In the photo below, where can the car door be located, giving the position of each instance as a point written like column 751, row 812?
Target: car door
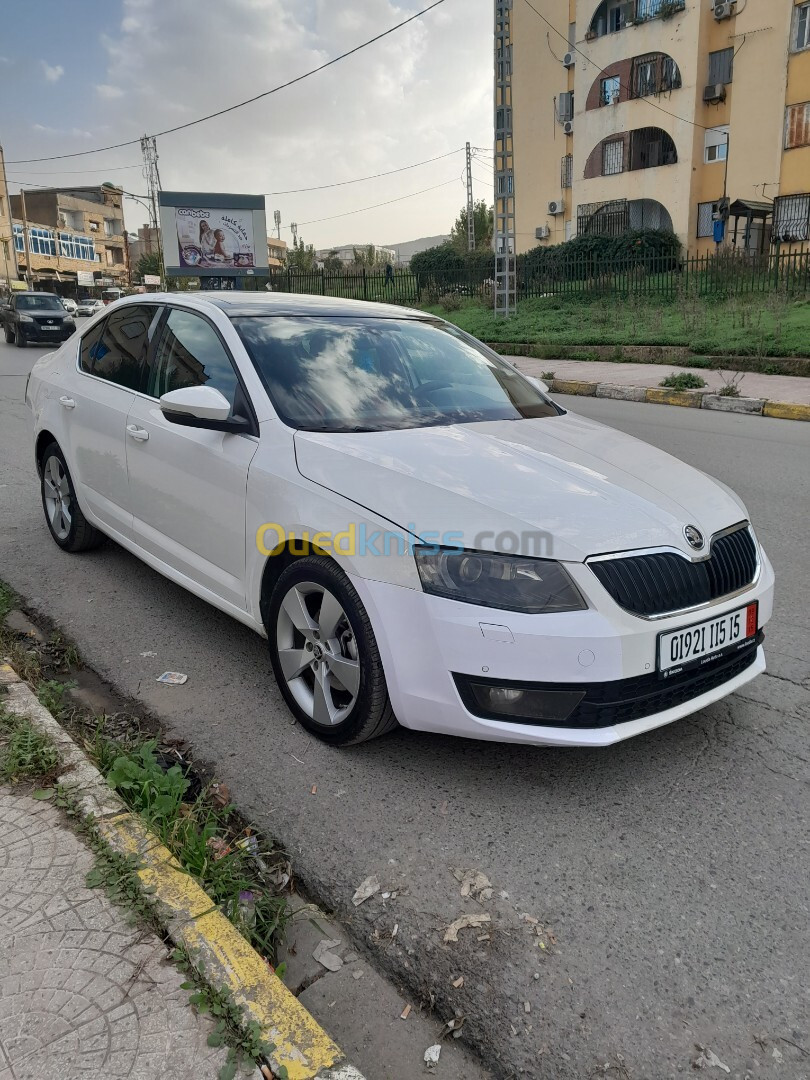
column 96, row 402
column 188, row 485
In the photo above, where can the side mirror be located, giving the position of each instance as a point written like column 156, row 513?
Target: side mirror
column 201, row 407
column 538, row 383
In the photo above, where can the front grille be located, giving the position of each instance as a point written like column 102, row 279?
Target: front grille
column 662, row 582
column 618, row 702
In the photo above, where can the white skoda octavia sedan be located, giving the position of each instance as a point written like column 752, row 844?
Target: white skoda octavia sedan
column 420, row 532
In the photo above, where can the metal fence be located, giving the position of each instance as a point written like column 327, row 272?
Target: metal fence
column 653, row 275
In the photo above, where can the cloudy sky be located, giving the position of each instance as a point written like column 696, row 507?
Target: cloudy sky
column 84, row 75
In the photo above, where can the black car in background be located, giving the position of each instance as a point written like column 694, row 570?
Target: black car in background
column 35, row 317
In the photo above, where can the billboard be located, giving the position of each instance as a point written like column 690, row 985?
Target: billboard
column 212, row 234
column 85, row 278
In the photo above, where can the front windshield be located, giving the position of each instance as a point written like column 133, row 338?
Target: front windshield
column 354, row 374
column 45, row 302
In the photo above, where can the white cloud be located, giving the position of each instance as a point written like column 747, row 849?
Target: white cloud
column 73, row 133
column 52, row 74
column 107, row 90
column 414, row 95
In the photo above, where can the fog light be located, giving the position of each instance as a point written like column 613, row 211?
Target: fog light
column 502, row 695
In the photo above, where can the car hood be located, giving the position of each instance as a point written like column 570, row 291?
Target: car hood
column 588, row 488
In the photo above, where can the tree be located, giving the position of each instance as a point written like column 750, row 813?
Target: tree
column 369, row 257
column 484, row 219
column 301, row 257
column 333, row 264
column 149, row 264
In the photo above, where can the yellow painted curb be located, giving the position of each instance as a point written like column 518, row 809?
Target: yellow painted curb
column 685, row 398
column 223, row 956
column 786, row 410
column 572, row 386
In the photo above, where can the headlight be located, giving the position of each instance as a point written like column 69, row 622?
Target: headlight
column 511, row 582
column 69, row 321
column 25, row 318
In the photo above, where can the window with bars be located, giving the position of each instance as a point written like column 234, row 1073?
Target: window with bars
column 705, row 219
column 567, row 171
column 654, row 74
column 613, row 157
column 721, row 67
column 609, row 90
column 791, row 218
column 797, row 126
column 801, row 38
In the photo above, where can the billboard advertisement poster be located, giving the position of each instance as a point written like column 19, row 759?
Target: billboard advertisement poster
column 151, row 279
column 85, row 278
column 213, row 234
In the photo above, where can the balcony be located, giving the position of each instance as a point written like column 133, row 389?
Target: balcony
column 614, row 15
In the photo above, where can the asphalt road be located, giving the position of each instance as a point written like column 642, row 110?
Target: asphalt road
column 671, row 870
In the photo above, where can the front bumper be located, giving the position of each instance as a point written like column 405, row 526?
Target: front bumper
column 429, row 644
column 33, row 334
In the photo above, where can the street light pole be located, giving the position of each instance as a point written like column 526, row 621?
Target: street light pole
column 28, row 275
column 10, row 219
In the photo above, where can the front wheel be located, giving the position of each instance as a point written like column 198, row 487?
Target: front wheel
column 69, row 527
column 9, row 337
column 325, row 656
column 19, row 340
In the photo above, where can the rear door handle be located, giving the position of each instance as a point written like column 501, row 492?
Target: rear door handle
column 68, row 402
column 139, row 434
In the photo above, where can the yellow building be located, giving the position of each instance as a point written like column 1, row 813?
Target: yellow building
column 647, row 113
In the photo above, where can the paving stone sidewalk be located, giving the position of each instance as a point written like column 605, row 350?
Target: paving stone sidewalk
column 792, row 388
column 83, row 993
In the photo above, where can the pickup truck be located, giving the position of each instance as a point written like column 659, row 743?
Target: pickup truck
column 35, row 317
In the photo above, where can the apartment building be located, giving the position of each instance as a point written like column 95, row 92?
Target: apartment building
column 276, row 253
column 71, row 232
column 8, row 264
column 661, row 114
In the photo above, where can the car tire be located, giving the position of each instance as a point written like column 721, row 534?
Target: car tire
column 9, row 337
column 340, row 641
column 19, row 340
column 67, row 524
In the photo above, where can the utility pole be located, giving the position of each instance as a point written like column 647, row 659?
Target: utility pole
column 28, row 275
column 152, row 176
column 277, row 220
column 470, row 204
column 10, row 218
column 505, row 263
column 294, row 231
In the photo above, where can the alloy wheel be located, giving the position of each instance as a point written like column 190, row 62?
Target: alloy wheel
column 317, row 652
column 57, row 497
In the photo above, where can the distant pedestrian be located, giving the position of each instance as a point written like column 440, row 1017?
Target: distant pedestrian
column 389, row 274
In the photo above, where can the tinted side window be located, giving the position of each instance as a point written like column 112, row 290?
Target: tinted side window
column 90, row 346
column 190, row 353
column 119, row 354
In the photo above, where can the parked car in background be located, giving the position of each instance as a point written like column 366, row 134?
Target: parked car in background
column 422, row 534
column 36, row 317
column 69, row 304
column 89, row 307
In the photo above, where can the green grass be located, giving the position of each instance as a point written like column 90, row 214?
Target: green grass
column 25, row 754
column 754, row 325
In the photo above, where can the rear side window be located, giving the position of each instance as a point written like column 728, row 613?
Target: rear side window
column 118, row 352
column 190, row 353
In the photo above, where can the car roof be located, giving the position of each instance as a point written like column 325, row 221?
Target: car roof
column 235, row 303
column 32, row 292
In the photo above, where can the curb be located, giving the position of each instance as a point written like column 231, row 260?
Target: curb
column 689, row 399
column 188, row 915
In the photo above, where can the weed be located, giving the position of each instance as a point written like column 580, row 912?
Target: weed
column 27, row 754
column 51, row 694
column 450, row 302
column 8, row 600
column 730, row 386
column 684, row 380
column 548, row 376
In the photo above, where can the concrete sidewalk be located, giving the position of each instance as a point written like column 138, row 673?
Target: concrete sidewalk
column 789, row 388
column 83, row 992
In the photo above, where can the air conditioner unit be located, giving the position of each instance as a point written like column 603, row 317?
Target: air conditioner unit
column 556, row 206
column 569, row 60
column 543, row 232
column 713, row 95
column 568, row 127
column 724, row 10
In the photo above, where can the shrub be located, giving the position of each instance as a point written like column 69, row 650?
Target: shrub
column 684, row 380
column 450, row 301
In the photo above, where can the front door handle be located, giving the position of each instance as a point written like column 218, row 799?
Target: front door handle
column 68, row 402
column 139, row 434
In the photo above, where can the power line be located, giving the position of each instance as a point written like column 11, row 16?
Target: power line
column 90, row 168
column 361, row 179
column 573, row 48
column 240, row 104
column 376, row 206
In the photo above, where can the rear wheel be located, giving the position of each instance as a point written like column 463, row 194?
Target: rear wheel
column 325, row 656
column 68, row 525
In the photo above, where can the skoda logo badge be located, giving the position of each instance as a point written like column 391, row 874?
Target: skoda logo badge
column 694, row 537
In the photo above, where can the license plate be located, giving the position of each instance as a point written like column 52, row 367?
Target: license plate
column 54, row 328
column 705, row 642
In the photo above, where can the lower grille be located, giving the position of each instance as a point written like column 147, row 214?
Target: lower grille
column 662, row 582
column 618, row 702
